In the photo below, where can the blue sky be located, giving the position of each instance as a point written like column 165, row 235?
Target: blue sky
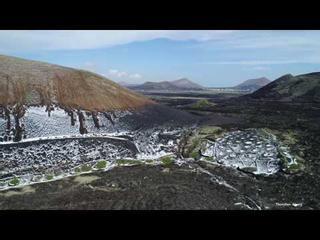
column 211, row 58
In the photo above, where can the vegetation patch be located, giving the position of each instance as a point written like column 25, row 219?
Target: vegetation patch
column 14, row 182
column 209, row 130
column 290, row 164
column 199, row 139
column 149, row 161
column 210, row 159
column 167, row 161
column 202, row 104
column 86, row 168
column 128, row 162
column 195, row 155
column 49, row 177
column 192, row 145
column 101, row 164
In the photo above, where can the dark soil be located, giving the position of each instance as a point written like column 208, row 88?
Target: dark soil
column 156, row 187
column 154, row 115
column 137, row 187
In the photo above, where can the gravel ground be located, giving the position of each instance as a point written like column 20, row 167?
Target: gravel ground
column 190, row 186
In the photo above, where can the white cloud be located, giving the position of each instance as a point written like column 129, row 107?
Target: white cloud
column 117, row 73
column 32, row 40
column 135, row 76
column 122, row 74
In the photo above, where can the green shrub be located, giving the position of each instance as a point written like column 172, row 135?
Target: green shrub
column 209, row 159
column 101, row 164
column 14, row 182
column 49, row 177
column 85, row 168
column 167, row 161
column 203, row 103
column 195, row 155
column 127, row 161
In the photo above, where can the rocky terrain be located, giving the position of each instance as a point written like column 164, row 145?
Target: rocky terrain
column 51, row 126
column 288, row 88
column 257, row 151
column 166, row 187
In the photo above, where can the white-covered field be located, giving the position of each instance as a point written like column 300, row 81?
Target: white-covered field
column 52, row 146
column 39, row 124
column 251, row 150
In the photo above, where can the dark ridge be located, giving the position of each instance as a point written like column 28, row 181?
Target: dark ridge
column 289, row 88
column 156, row 115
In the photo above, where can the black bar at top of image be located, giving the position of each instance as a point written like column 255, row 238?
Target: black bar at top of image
column 160, row 15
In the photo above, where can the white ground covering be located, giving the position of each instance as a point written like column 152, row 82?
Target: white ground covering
column 249, row 150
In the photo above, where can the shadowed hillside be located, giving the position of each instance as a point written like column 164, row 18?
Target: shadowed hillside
column 301, row 88
column 253, row 84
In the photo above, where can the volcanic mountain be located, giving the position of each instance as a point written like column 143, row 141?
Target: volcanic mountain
column 183, row 84
column 27, row 82
column 289, row 88
column 32, row 91
column 155, row 86
column 253, row 84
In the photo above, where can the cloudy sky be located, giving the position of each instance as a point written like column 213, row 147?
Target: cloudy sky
column 210, row 58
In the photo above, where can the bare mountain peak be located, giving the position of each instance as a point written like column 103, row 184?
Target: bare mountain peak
column 182, row 84
column 186, row 83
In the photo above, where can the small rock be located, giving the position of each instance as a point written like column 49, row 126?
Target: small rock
column 166, row 170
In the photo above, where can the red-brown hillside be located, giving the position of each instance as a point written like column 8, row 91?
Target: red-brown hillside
column 32, row 83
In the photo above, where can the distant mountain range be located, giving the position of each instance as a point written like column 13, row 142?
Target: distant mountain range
column 301, row 88
column 253, row 84
column 126, row 84
column 289, row 88
column 185, row 84
column 182, row 84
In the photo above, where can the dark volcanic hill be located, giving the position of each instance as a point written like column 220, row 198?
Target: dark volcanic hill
column 253, row 84
column 126, row 84
column 156, row 86
column 301, row 88
column 183, row 84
